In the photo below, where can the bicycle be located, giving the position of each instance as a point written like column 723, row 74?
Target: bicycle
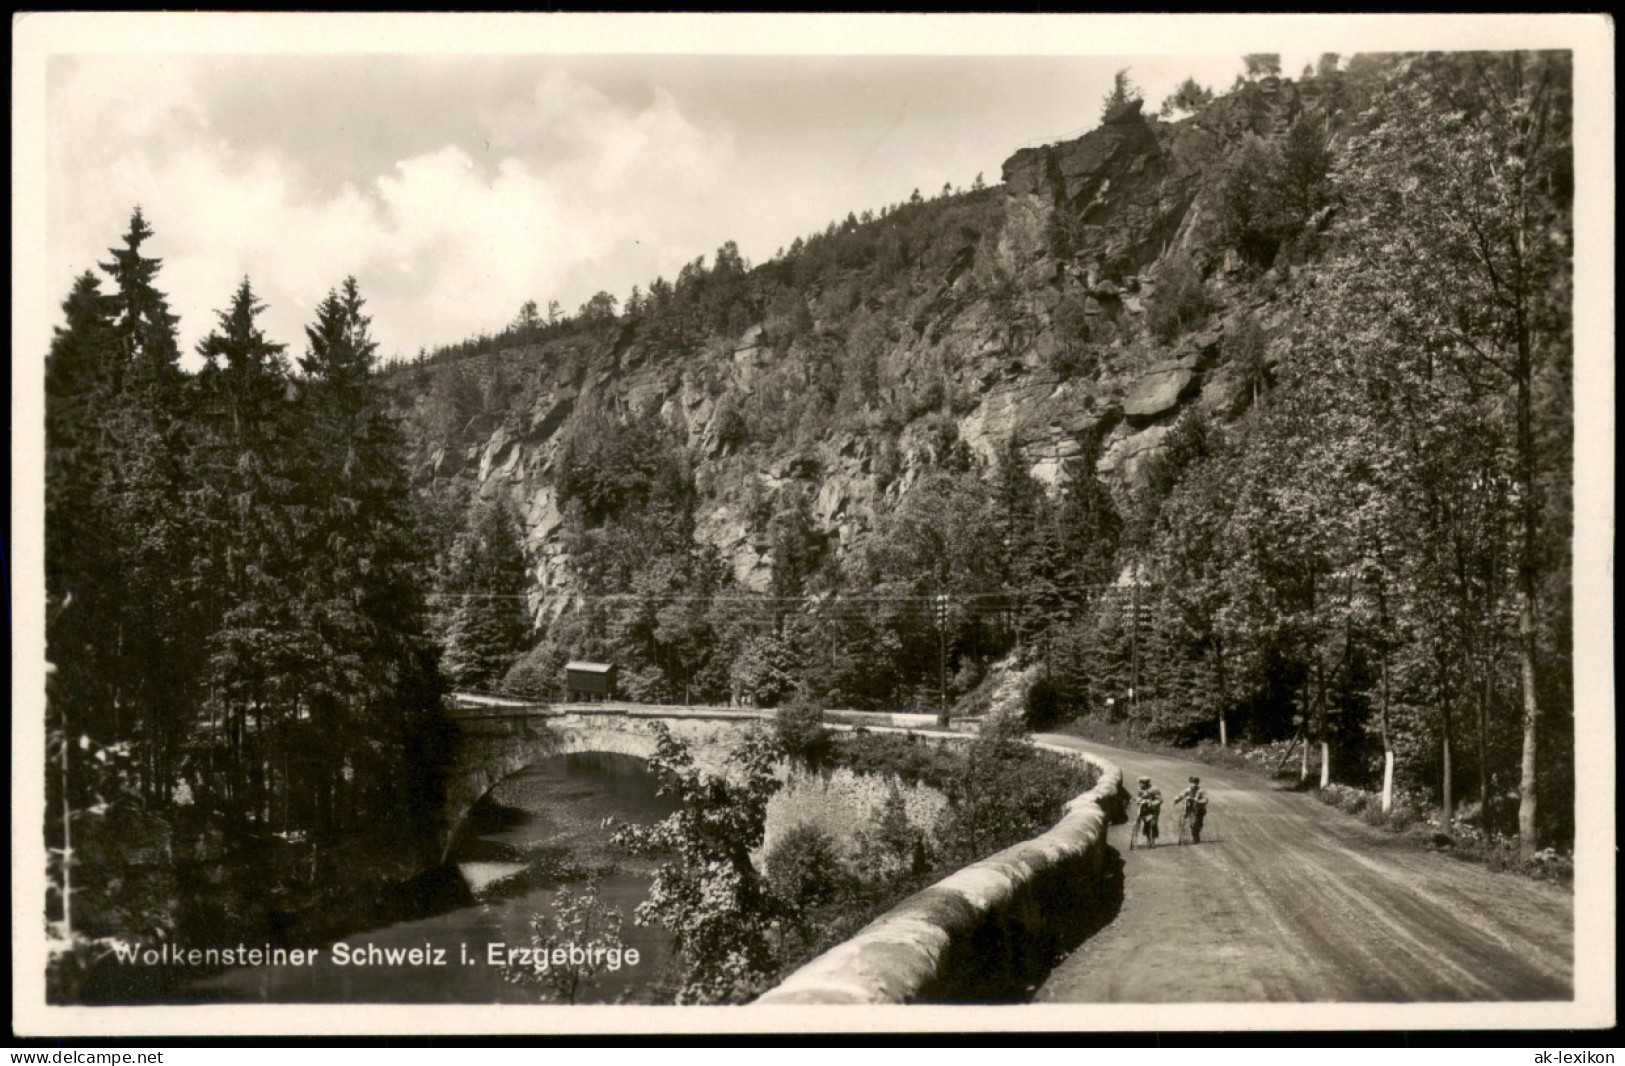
column 1187, row 823
column 1139, row 828
column 1187, row 816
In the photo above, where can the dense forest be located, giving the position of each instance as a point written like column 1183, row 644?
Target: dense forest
column 1251, row 420
column 236, row 616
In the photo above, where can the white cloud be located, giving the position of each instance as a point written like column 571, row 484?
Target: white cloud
column 555, row 194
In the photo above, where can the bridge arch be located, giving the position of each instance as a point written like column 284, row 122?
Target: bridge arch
column 498, row 742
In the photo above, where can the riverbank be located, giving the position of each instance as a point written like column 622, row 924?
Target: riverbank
column 276, row 893
column 539, row 831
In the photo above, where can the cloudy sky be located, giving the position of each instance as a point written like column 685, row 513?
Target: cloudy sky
column 519, row 161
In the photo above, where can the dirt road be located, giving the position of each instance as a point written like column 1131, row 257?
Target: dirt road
column 1288, row 900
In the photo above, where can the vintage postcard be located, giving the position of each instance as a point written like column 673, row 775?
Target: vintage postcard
column 557, row 524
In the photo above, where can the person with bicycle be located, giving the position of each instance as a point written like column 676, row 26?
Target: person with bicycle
column 1195, row 801
column 1148, row 803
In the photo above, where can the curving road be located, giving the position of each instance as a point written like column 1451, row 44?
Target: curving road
column 1288, row 900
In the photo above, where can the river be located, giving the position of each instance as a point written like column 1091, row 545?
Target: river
column 540, row 829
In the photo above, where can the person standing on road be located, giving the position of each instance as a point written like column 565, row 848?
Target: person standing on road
column 1196, row 805
column 1148, row 802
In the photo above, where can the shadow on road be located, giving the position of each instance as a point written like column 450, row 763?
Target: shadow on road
column 1007, row 960
column 1100, row 912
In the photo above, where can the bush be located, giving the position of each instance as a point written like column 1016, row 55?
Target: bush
column 538, row 674
column 1006, row 791
column 805, row 870
column 731, row 431
column 1077, row 336
column 706, row 892
column 800, row 728
column 1269, row 190
column 764, row 670
column 892, row 847
column 904, row 756
column 1182, row 299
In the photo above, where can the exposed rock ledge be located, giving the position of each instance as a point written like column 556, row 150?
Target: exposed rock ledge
column 910, row 951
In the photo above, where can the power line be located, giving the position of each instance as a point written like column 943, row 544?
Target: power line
column 931, row 598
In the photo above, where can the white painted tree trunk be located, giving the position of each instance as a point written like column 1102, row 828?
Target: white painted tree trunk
column 1387, row 782
column 1325, row 764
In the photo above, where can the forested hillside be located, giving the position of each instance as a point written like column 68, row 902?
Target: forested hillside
column 1245, row 420
column 1248, row 420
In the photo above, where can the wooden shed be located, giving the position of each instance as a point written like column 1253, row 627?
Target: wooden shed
column 589, row 681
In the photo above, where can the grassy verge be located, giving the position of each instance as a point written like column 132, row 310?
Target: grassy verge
column 1418, row 823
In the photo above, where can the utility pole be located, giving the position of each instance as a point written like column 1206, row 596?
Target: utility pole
column 1134, row 644
column 942, row 651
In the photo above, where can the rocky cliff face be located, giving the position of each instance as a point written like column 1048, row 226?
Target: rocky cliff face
column 1026, row 316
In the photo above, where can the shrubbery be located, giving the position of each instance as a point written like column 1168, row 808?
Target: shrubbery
column 707, row 893
column 892, row 847
column 1181, row 301
column 806, row 872
column 1045, row 703
column 905, row 756
column 1006, row 791
column 799, row 726
column 1270, row 189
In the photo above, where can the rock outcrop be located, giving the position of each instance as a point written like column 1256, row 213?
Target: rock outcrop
column 1029, row 324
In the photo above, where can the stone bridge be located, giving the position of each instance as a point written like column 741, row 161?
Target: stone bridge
column 498, row 737
column 1011, row 900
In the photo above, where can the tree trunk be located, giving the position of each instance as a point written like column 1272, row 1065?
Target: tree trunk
column 1325, row 746
column 1387, row 745
column 1528, row 840
column 1303, row 728
column 1484, row 694
column 1448, row 816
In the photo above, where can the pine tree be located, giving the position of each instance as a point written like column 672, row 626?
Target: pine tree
column 149, row 357
column 1027, row 569
column 240, row 515
column 1123, row 93
column 82, row 574
column 1189, row 97
column 489, row 624
column 152, row 629
column 372, row 688
column 1089, row 520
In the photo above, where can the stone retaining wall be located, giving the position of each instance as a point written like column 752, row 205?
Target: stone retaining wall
column 1003, row 913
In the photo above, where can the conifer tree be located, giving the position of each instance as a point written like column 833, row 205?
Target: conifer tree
column 240, row 511
column 148, row 356
column 488, row 624
column 372, row 687
column 152, row 630
column 81, row 563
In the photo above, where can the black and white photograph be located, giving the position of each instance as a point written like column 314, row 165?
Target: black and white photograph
column 549, row 524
